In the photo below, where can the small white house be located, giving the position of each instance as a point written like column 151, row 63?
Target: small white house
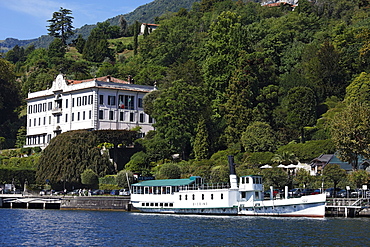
column 104, row 103
column 151, row 27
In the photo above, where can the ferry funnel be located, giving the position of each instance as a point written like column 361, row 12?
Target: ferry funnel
column 233, row 178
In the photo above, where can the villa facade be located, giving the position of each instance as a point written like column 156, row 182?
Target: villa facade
column 104, row 103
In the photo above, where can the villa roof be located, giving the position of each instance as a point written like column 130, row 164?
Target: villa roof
column 101, row 79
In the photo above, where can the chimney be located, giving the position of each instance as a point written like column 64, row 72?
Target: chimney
column 108, row 78
column 129, row 79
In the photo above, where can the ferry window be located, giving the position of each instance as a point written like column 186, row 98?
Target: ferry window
column 161, row 204
column 166, row 204
column 243, row 194
column 143, row 204
column 247, row 180
column 146, row 190
column 186, row 197
column 222, row 196
column 202, row 196
column 168, row 190
column 171, row 204
column 147, row 204
column 256, row 195
column 211, row 196
column 180, row 197
column 193, row 197
column 156, row 204
column 151, row 204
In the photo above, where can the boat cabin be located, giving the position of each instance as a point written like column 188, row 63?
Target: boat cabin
column 251, row 187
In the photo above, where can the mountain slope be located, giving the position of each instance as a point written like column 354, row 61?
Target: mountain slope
column 145, row 14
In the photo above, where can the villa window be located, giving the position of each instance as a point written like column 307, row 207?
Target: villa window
column 101, row 99
column 111, row 115
column 141, row 118
column 111, row 100
column 101, row 114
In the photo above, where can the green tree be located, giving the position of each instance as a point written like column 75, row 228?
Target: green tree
column 123, row 25
column 124, row 179
column 359, row 90
column 275, row 177
column 259, row 137
column 169, row 171
column 57, row 49
column 350, row 131
column 90, row 178
column 334, row 173
column 179, row 102
column 359, row 178
column 61, row 24
column 136, row 36
column 80, row 43
column 301, row 109
column 303, row 178
column 201, row 144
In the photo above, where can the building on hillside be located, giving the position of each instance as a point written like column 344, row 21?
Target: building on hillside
column 318, row 164
column 151, row 27
column 96, row 104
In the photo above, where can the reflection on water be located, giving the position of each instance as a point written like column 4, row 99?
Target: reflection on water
column 30, row 227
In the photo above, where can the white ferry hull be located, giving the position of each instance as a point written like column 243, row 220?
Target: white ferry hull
column 306, row 206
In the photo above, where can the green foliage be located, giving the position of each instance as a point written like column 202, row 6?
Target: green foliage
column 276, row 177
column 90, row 178
column 201, row 144
column 359, row 178
column 73, row 152
column 334, row 173
column 359, row 90
column 61, row 24
column 258, row 158
column 138, row 162
column 108, row 179
column 259, row 137
column 304, row 179
column 124, row 179
column 305, row 152
column 350, row 130
column 169, row 171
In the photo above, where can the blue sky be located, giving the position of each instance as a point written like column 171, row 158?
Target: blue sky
column 27, row 19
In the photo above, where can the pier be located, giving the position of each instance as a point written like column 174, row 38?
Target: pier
column 119, row 203
column 347, row 207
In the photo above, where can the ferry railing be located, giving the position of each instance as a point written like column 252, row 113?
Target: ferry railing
column 207, row 186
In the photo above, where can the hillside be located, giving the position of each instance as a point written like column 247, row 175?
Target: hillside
column 145, row 14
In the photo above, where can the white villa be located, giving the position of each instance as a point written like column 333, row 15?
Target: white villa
column 104, row 103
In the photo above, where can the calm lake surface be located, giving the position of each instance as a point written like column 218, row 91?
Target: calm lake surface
column 36, row 227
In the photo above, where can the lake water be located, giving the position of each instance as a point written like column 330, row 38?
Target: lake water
column 36, row 227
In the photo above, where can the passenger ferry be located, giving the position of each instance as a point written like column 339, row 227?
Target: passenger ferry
column 192, row 196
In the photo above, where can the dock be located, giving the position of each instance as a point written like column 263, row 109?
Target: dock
column 347, row 207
